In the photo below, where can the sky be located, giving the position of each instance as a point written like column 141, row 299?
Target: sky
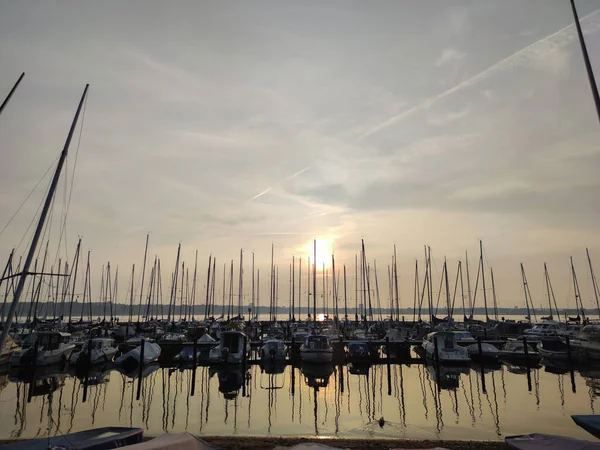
column 236, row 124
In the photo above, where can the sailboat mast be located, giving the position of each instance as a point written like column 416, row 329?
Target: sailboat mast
column 586, row 59
column 395, row 269
column 40, row 225
column 300, row 288
column 468, row 283
column 578, row 300
column 143, row 276
column 10, row 94
column 594, row 281
column 345, row 298
column 494, row 294
column 293, row 288
column 525, row 291
column 315, row 283
column 74, row 279
column 487, row 318
column 548, row 291
column 206, row 307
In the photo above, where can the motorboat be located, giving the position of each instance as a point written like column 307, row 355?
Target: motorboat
column 536, row 441
column 464, row 337
column 514, row 353
column 553, row 351
column 103, row 350
column 545, row 329
column 316, row 349
column 52, row 347
column 585, row 346
column 448, row 351
column 94, row 439
column 488, row 354
column 232, row 348
column 132, row 358
column 397, row 345
column 203, row 346
column 274, row 350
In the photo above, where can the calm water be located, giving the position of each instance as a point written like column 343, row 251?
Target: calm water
column 327, row 401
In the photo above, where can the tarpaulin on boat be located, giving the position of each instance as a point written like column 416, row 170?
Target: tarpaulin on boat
column 537, row 441
column 177, row 441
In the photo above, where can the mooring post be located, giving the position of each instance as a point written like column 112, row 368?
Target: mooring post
column 437, row 362
column 526, row 351
column 573, row 387
column 141, row 369
column 194, row 367
column 244, row 365
column 387, row 359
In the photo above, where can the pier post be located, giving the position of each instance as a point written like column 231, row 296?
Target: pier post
column 341, row 378
column 194, row 367
column 526, row 351
column 387, row 360
column 244, row 366
column 141, row 369
column 482, row 371
column 436, row 359
column 570, row 361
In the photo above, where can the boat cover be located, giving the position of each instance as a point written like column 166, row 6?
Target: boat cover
column 96, row 439
column 177, row 441
column 537, row 441
column 589, row 423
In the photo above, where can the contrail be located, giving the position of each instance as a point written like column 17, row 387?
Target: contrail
column 261, row 194
column 294, row 175
column 507, row 62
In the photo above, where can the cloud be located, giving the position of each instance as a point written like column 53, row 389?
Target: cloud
column 449, row 55
column 533, row 52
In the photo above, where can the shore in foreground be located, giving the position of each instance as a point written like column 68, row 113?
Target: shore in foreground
column 252, row 443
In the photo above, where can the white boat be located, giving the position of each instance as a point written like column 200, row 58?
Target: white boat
column 103, row 350
column 233, row 348
column 448, row 351
column 464, row 337
column 273, row 350
column 546, row 329
column 585, row 346
column 52, row 347
column 132, row 358
column 489, row 352
column 316, row 349
column 514, row 352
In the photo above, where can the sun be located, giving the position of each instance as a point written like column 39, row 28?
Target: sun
column 324, row 252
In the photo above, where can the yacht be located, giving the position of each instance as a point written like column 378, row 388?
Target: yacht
column 132, row 358
column 233, row 347
column 52, row 347
column 274, row 350
column 316, row 349
column 103, row 350
column 514, row 353
column 448, row 351
column 545, row 329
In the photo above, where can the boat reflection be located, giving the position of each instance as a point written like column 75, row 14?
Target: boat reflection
column 317, row 375
column 447, row 377
column 231, row 379
column 272, row 367
column 358, row 368
column 133, row 374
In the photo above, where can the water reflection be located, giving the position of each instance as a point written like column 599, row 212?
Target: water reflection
column 382, row 400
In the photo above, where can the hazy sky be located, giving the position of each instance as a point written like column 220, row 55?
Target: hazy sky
column 234, row 124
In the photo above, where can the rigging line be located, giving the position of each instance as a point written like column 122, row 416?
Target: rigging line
column 68, row 201
column 28, row 196
column 33, row 219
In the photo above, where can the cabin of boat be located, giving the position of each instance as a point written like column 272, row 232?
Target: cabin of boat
column 52, row 347
column 103, row 350
column 448, row 351
column 464, row 337
column 548, row 328
column 233, row 347
column 357, row 351
column 316, row 348
column 274, row 349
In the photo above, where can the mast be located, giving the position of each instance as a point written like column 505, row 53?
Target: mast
column 345, row 298
column 173, row 287
column 586, row 59
column 224, row 277
column 252, row 296
column 194, row 283
column 356, row 288
column 578, row 300
column 10, row 94
column 468, row 285
column 143, row 276
column 308, row 287
column 315, row 284
column 271, row 287
column 299, row 288
column 85, row 288
column 594, row 281
column 241, row 284
column 257, row 293
column 525, row 289
column 548, row 291
column 74, row 279
column 206, row 308
column 447, row 290
column 487, row 318
column 40, row 225
column 131, row 296
column 395, row 269
column 293, row 288
column 494, row 294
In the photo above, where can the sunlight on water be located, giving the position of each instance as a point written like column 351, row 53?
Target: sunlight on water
column 308, row 400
